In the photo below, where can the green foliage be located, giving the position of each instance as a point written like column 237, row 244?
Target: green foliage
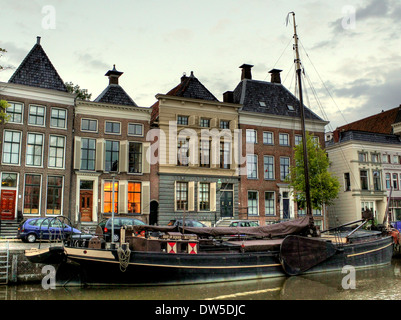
column 3, row 116
column 82, row 94
column 324, row 187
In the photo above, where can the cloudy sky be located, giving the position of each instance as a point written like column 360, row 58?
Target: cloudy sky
column 350, row 49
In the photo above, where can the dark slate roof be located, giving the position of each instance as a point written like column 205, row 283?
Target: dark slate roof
column 191, row 87
column 115, row 94
column 354, row 135
column 36, row 70
column 269, row 98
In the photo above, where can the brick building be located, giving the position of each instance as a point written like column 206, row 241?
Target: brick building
column 270, row 121
column 36, row 143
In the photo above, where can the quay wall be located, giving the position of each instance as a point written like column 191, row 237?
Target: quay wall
column 23, row 271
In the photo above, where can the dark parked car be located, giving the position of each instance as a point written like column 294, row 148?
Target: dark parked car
column 118, row 223
column 44, row 228
column 188, row 223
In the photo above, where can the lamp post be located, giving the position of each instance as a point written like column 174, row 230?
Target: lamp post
column 112, row 208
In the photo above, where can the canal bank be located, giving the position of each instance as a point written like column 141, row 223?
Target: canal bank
column 20, row 270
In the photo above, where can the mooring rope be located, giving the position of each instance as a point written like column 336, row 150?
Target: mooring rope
column 123, row 257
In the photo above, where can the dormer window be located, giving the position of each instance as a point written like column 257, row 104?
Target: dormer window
column 262, row 103
column 290, row 107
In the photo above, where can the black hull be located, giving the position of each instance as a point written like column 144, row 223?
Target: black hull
column 52, row 255
column 102, row 267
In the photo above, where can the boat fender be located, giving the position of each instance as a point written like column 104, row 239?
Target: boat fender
column 396, row 236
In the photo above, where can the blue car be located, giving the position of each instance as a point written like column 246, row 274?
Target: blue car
column 43, row 228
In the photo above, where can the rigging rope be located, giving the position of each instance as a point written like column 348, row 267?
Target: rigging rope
column 123, row 257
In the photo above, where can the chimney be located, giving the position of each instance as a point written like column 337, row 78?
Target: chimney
column 246, row 71
column 275, row 75
column 113, row 75
column 37, row 40
column 228, row 96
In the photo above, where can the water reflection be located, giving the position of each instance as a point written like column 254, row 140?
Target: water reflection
column 382, row 283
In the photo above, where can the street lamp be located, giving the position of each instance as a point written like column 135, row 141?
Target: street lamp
column 112, row 207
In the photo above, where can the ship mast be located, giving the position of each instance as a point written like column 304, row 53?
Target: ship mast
column 301, row 107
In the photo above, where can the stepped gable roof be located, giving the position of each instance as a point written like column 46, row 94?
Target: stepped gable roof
column 36, row 70
column 189, row 87
column 269, row 98
column 114, row 93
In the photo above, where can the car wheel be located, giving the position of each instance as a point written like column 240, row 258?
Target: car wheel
column 31, row 238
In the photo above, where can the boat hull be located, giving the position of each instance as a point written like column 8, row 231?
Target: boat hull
column 102, row 267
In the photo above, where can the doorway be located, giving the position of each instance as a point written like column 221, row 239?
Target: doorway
column 8, row 201
column 86, row 201
column 227, row 201
column 154, row 212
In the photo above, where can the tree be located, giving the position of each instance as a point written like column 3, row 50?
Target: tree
column 324, row 187
column 81, row 93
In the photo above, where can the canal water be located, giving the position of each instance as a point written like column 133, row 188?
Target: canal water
column 383, row 283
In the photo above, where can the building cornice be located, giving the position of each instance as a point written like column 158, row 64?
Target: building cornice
column 34, row 93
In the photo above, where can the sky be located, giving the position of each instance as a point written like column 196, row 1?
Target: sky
column 350, row 50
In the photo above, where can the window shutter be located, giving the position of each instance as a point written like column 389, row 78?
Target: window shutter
column 145, row 162
column 213, row 196
column 122, row 197
column 233, row 125
column 145, row 201
column 77, row 153
column 100, row 154
column 123, row 156
column 191, row 196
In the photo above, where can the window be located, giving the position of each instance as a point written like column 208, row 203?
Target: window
column 204, row 196
column 112, row 155
column 362, row 156
column 252, row 166
column 36, row 115
column 268, row 163
column 386, row 158
column 205, row 123
column 108, row 196
column 134, row 197
column 268, row 138
column 181, row 195
column 32, row 194
column 14, row 111
column 262, row 103
column 58, row 118
column 396, row 159
column 11, row 147
column 395, row 181
column 204, row 153
column 34, row 149
column 89, row 125
column 88, row 154
column 269, row 203
column 298, row 139
column 388, row 181
column 224, row 124
column 253, row 203
column 225, row 160
column 135, row 129
column 56, row 152
column 113, row 127
column 54, row 195
column 283, row 139
column 251, row 136
column 135, row 157
column 183, row 152
column 9, row 180
column 182, row 120
column 377, row 180
column 367, row 205
column 284, row 167
column 347, row 181
column 364, row 180
column 290, row 107
column 375, row 157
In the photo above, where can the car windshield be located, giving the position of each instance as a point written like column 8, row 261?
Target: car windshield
column 118, row 222
column 197, row 224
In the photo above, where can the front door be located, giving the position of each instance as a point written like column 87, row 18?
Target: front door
column 86, row 205
column 226, row 204
column 286, row 208
column 8, row 200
